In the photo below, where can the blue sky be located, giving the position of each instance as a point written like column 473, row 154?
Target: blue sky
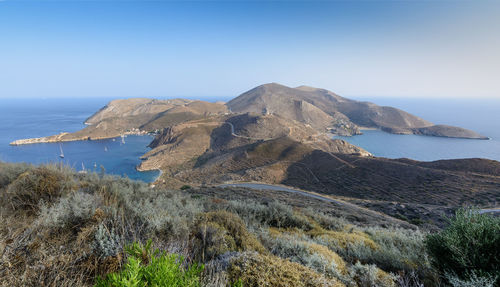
column 221, row 49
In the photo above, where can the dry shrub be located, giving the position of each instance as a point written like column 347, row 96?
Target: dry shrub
column 342, row 239
column 400, row 250
column 371, row 276
column 70, row 211
column 47, row 259
column 297, row 247
column 328, row 255
column 326, row 221
column 274, row 214
column 44, row 183
column 218, row 232
column 10, row 171
column 255, row 269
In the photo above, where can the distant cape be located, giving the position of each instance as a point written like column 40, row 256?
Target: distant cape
column 324, row 109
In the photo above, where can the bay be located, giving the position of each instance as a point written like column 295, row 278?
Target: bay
column 480, row 115
column 28, row 118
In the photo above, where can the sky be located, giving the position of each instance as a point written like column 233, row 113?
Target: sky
column 118, row 49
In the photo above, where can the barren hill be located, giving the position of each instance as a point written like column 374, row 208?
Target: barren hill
column 241, row 147
column 340, row 115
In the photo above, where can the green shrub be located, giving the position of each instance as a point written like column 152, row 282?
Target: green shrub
column 470, row 244
column 146, row 267
column 185, row 187
column 326, row 221
column 399, row 249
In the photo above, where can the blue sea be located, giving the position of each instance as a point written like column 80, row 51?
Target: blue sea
column 37, row 117
column 29, row 118
column 482, row 116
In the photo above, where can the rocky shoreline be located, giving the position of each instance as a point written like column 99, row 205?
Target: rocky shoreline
column 69, row 137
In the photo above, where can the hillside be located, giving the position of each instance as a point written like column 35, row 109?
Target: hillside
column 238, row 234
column 244, row 148
column 247, row 147
column 62, row 228
column 339, row 115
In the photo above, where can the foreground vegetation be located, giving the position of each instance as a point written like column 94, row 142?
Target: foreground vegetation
column 61, row 228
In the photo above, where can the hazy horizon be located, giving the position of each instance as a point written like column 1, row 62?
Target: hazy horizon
column 156, row 49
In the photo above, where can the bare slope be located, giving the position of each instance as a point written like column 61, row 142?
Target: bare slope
column 247, row 147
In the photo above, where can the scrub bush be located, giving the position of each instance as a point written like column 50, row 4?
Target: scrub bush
column 44, row 183
column 468, row 246
column 254, row 269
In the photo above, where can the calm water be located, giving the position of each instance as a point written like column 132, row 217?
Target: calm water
column 481, row 116
column 35, row 118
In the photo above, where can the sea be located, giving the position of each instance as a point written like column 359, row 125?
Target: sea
column 23, row 118
column 28, row 118
column 480, row 115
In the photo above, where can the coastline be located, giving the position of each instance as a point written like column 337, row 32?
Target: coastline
column 60, row 138
column 368, row 129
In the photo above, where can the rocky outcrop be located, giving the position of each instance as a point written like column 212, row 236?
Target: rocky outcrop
column 55, row 138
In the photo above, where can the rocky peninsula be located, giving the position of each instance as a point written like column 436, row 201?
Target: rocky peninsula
column 320, row 109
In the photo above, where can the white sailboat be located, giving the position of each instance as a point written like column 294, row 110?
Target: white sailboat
column 62, row 153
column 123, row 139
column 83, row 169
column 105, row 148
